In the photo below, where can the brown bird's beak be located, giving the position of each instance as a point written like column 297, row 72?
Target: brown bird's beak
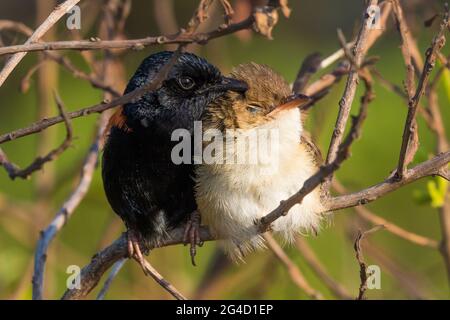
column 230, row 84
column 293, row 101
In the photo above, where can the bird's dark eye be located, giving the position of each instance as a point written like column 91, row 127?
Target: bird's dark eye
column 254, row 108
column 186, row 83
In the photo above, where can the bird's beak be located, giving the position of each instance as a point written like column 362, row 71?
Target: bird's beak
column 230, row 84
column 291, row 102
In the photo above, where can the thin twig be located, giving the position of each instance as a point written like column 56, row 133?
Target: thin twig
column 15, row 172
column 66, row 211
column 428, row 168
column 54, row 17
column 316, row 266
column 350, row 89
column 98, row 108
column 135, row 44
column 114, row 272
column 294, row 272
column 371, row 217
column 150, row 270
column 409, row 143
column 360, row 258
column 62, row 61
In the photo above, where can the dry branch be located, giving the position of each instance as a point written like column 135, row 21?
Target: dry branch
column 410, row 138
column 66, row 211
column 15, row 172
column 54, row 17
column 360, row 259
column 346, row 101
column 371, row 217
column 294, row 272
column 428, row 168
column 316, row 266
column 114, row 272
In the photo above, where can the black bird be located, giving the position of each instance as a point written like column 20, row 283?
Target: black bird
column 143, row 185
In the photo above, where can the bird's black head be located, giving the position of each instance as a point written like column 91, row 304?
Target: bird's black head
column 191, row 85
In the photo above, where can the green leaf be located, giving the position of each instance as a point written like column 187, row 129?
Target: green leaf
column 446, row 82
column 437, row 189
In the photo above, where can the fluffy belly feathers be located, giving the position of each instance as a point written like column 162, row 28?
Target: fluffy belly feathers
column 247, row 193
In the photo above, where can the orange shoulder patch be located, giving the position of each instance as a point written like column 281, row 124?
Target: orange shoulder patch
column 118, row 120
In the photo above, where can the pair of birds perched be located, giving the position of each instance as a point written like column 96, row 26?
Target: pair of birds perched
column 153, row 195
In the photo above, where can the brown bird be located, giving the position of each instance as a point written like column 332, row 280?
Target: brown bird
column 263, row 128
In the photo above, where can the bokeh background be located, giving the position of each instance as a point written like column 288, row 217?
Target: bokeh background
column 27, row 206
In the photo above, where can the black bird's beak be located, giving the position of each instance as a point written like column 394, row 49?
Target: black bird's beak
column 292, row 101
column 230, row 84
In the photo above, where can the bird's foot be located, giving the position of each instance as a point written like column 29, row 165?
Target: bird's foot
column 192, row 234
column 134, row 243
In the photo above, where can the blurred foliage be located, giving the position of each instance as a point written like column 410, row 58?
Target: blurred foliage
column 312, row 27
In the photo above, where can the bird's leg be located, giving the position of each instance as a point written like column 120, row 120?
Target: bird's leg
column 192, row 234
column 134, row 249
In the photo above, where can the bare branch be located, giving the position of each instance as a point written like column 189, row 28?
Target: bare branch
column 14, row 172
column 136, row 44
column 103, row 260
column 54, row 17
column 371, row 217
column 362, row 264
column 425, row 169
column 66, row 211
column 114, row 272
column 62, row 61
column 308, row 254
column 409, row 141
column 98, row 108
column 350, row 89
column 150, row 270
column 294, row 272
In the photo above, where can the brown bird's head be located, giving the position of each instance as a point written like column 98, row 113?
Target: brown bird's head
column 268, row 98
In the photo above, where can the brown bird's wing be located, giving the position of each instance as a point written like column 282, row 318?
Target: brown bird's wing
column 311, row 147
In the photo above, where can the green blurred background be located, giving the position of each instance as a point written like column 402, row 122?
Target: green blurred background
column 27, row 206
